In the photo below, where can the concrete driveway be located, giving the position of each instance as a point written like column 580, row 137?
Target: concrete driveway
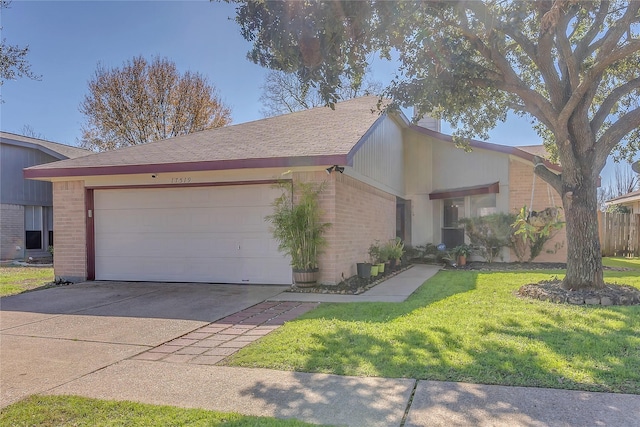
column 54, row 336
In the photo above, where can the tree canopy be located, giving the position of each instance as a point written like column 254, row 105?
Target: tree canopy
column 284, row 93
column 570, row 66
column 13, row 59
column 147, row 101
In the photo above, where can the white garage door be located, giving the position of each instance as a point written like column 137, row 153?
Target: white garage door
column 195, row 234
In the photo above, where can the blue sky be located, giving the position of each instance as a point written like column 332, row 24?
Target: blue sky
column 69, row 38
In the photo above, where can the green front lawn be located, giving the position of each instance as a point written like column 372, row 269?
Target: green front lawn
column 633, row 263
column 14, row 280
column 466, row 326
column 45, row 411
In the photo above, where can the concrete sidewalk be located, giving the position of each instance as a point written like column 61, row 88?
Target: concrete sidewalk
column 395, row 289
column 352, row 401
column 159, row 344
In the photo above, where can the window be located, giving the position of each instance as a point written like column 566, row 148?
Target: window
column 452, row 235
column 49, row 215
column 483, row 204
column 33, row 227
column 453, row 209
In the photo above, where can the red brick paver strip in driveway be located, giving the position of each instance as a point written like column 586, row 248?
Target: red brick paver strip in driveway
column 211, row 343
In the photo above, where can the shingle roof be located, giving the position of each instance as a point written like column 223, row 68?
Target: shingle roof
column 60, row 151
column 625, row 198
column 311, row 136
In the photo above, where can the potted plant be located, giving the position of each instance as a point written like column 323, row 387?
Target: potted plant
column 375, row 253
column 364, row 270
column 395, row 250
column 374, row 270
column 461, row 252
column 299, row 230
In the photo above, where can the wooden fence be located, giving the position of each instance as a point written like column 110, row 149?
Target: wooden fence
column 619, row 234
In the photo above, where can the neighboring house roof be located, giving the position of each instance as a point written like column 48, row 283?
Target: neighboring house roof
column 55, row 149
column 318, row 136
column 536, row 150
column 625, row 198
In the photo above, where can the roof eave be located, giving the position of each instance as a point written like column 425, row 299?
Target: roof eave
column 273, row 162
column 37, row 147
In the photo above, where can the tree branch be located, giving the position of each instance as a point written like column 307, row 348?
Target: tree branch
column 594, row 73
column 610, row 101
column 539, row 168
column 616, row 30
column 509, row 80
column 565, row 53
column 612, row 136
column 582, row 49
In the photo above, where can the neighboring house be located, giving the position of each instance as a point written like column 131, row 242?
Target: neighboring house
column 192, row 208
column 26, row 214
column 629, row 200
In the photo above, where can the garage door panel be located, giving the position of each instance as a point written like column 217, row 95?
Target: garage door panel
column 252, row 269
column 209, row 234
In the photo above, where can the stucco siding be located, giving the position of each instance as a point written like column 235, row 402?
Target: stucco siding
column 454, row 168
column 380, row 157
column 418, row 159
column 69, row 223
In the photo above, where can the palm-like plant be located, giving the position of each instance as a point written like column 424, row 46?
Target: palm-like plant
column 297, row 226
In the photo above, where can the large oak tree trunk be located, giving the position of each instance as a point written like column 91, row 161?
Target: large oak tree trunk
column 584, row 259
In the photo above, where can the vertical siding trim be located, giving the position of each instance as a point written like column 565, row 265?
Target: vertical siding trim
column 91, row 239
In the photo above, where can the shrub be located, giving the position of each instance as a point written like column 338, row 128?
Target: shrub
column 535, row 229
column 489, row 233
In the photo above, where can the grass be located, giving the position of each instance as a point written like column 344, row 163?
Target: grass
column 15, row 280
column 633, row 263
column 466, row 326
column 45, row 411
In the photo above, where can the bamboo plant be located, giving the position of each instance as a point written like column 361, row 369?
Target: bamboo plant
column 297, row 225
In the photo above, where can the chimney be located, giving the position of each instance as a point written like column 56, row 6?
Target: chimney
column 428, row 122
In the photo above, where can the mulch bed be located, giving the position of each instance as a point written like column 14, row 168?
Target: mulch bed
column 508, row 266
column 552, row 290
column 351, row 286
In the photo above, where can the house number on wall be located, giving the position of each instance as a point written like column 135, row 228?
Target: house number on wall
column 183, row 180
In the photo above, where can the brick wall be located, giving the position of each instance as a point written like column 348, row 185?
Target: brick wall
column 520, row 185
column 11, row 232
column 364, row 214
column 359, row 214
column 69, row 223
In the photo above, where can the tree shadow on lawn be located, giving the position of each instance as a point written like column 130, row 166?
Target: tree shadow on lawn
column 598, row 352
column 602, row 353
